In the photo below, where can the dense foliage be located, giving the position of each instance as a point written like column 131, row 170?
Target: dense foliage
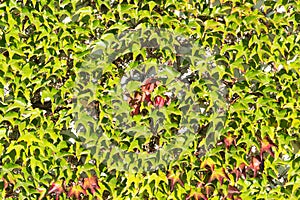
column 74, row 119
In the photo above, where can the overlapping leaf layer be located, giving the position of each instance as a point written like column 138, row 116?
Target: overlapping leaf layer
column 254, row 51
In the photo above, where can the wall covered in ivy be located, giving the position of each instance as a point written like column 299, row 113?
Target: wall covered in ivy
column 149, row 99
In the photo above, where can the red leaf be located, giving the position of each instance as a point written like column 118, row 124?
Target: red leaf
column 136, row 110
column 255, row 165
column 168, row 100
column 135, row 104
column 147, row 99
column 232, row 191
column 5, row 183
column 229, row 140
column 266, row 146
column 174, row 178
column 240, row 171
column 149, row 86
column 159, row 101
column 90, row 183
column 56, row 188
column 209, row 190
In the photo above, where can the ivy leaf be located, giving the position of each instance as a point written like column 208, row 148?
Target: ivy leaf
column 56, row 188
column 75, row 191
column 197, row 194
column 90, row 183
column 240, row 171
column 266, row 146
column 255, row 165
column 229, row 140
column 218, row 174
column 159, row 101
column 174, row 178
column 232, row 191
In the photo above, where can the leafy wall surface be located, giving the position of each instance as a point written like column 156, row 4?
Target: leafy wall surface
column 149, row 99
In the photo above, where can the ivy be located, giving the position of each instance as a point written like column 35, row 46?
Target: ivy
column 149, row 99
